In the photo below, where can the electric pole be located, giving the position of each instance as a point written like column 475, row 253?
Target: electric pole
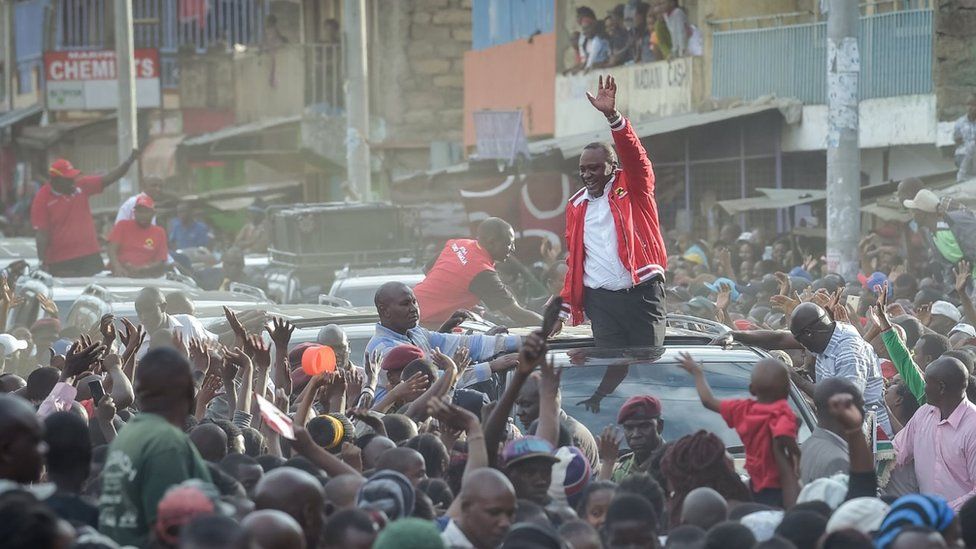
column 8, row 52
column 843, row 149
column 127, row 121
column 357, row 98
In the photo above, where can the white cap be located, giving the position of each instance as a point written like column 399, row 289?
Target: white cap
column 11, row 344
column 946, row 309
column 861, row 514
column 967, row 329
column 924, row 201
column 746, row 236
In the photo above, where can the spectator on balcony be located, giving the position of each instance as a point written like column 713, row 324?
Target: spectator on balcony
column 660, row 37
column 594, row 49
column 685, row 38
column 964, row 134
column 640, row 44
column 621, row 41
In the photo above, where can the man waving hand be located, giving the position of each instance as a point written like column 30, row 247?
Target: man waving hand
column 616, row 253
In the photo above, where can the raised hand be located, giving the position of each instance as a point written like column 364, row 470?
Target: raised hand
column 107, row 328
column 199, row 355
column 280, row 332
column 444, row 362
column 879, row 311
column 133, row 337
column 784, row 283
column 785, row 303
column 412, row 388
column 105, row 410
column 606, row 96
column 208, row 389
column 532, row 352
column 842, row 408
column 259, row 351
column 962, row 271
column 47, row 304
column 724, row 297
column 549, row 384
column 462, row 358
column 81, row 356
column 689, row 364
column 924, row 314
column 609, row 443
column 451, row 416
column 235, row 325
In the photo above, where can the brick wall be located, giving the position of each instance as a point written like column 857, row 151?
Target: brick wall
column 954, row 68
column 418, row 75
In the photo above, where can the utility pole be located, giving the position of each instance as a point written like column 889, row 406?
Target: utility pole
column 8, row 52
column 357, row 98
column 127, row 121
column 843, row 149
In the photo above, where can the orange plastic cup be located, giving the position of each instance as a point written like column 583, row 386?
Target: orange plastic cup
column 318, row 359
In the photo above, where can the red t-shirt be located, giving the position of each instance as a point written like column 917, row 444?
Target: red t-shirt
column 68, row 219
column 447, row 287
column 757, row 424
column 139, row 246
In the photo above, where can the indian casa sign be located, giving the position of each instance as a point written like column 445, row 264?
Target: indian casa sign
column 86, row 79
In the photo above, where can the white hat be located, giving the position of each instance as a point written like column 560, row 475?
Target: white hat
column 946, row 309
column 830, row 490
column 925, row 201
column 967, row 329
column 744, row 237
column 861, row 514
column 11, row 344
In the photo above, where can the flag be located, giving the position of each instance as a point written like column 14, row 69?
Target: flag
column 275, row 418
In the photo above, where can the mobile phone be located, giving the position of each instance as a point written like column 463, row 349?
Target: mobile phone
column 854, row 302
column 551, row 315
column 97, row 391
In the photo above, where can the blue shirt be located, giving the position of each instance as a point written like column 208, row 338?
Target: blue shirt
column 480, row 348
column 192, row 236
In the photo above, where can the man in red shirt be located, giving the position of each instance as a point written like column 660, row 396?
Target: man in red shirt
column 616, row 256
column 464, row 274
column 136, row 247
column 61, row 215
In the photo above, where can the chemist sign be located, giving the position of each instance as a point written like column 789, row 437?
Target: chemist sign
column 86, row 79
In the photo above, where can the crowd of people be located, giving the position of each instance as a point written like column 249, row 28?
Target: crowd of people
column 161, row 433
column 635, row 32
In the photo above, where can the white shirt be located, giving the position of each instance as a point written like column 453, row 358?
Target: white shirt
column 964, row 129
column 187, row 326
column 602, row 267
column 454, row 538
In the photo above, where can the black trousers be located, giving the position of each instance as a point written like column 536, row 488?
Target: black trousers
column 86, row 265
column 627, row 318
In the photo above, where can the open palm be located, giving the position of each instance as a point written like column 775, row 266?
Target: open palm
column 606, row 96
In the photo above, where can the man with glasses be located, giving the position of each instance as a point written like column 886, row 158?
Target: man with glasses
column 839, row 349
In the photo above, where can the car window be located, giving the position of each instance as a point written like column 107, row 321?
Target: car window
column 683, row 412
column 359, row 297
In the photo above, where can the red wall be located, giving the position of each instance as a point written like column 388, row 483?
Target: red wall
column 516, row 75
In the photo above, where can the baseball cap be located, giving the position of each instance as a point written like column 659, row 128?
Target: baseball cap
column 62, row 168
column 862, row 514
column 717, row 285
column 525, row 448
column 967, row 329
column 643, row 405
column 946, row 309
column 398, row 357
column 143, row 200
column 11, row 344
column 924, row 201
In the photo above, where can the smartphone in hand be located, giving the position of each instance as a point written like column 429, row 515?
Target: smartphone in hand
column 97, row 391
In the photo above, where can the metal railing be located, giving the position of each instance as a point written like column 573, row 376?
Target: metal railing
column 167, row 25
column 791, row 61
column 323, row 77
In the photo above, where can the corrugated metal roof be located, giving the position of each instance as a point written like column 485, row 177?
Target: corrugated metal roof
column 238, row 130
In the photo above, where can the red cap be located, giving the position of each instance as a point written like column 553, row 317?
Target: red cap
column 643, row 405
column 63, row 168
column 398, row 357
column 145, row 201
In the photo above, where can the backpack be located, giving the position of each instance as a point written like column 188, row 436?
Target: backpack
column 962, row 223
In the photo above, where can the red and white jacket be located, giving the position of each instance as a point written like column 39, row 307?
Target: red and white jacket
column 639, row 241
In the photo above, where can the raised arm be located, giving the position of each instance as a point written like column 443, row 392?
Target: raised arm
column 120, row 170
column 633, row 157
column 767, row 339
column 708, row 399
column 963, row 270
column 533, row 351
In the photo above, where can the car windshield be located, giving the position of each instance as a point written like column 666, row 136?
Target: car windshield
column 683, row 412
column 359, row 297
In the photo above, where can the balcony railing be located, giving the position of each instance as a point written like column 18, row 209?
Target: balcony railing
column 791, row 61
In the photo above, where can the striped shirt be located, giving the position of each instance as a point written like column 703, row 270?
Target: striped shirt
column 848, row 355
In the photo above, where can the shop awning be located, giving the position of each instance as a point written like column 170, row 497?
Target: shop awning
column 159, row 158
column 240, row 130
column 9, row 118
column 238, row 198
column 572, row 146
column 774, row 200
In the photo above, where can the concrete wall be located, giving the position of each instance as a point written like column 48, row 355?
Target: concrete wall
column 488, row 78
column 270, row 84
column 954, row 67
column 885, row 122
column 418, row 76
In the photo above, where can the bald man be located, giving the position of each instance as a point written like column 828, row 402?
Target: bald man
column 297, row 494
column 211, row 441
column 406, row 461
column 152, row 309
column 839, row 349
column 464, row 275
column 487, row 511
column 22, row 446
column 375, row 448
column 334, row 337
column 272, row 529
column 704, row 507
column 150, row 453
column 341, row 491
column 399, row 313
column 940, row 439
